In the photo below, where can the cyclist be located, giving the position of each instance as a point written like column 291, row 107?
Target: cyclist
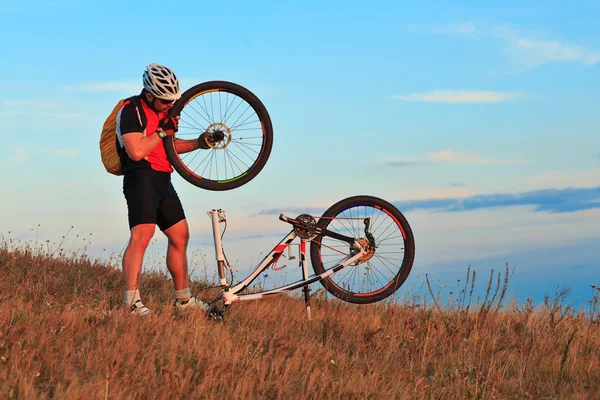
column 151, row 198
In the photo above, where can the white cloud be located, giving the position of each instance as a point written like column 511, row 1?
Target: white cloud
column 486, row 233
column 536, row 52
column 135, row 86
column 565, row 178
column 455, row 157
column 64, row 115
column 456, row 28
column 132, row 87
column 38, row 106
column 428, row 193
column 527, row 48
column 452, row 157
column 460, row 96
column 45, row 104
column 12, row 112
column 21, row 155
column 115, row 86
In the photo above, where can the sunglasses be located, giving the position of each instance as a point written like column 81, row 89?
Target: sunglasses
column 165, row 102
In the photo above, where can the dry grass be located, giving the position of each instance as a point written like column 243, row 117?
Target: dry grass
column 63, row 335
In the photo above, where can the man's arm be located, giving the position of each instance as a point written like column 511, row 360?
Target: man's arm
column 186, row 145
column 139, row 146
column 136, row 144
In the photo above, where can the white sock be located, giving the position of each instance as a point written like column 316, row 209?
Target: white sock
column 183, row 295
column 131, row 296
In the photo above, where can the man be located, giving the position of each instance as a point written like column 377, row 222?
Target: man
column 151, row 198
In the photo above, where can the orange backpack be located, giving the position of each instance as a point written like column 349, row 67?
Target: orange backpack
column 109, row 143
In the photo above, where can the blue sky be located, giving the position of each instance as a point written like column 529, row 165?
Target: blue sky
column 478, row 120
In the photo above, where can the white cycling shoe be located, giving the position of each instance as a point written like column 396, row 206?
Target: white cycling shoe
column 139, row 309
column 192, row 303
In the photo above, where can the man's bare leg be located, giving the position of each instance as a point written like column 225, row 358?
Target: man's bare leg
column 133, row 257
column 177, row 262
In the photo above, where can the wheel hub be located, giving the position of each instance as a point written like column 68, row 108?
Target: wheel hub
column 218, row 136
column 370, row 251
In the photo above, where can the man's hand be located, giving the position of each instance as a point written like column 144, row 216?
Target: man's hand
column 202, row 142
column 169, row 125
column 207, row 140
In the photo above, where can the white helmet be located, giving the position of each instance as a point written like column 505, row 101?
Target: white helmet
column 161, row 82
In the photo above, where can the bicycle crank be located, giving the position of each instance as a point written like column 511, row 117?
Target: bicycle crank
column 306, row 227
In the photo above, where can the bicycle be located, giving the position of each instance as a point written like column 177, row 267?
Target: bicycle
column 362, row 250
column 235, row 127
column 356, row 263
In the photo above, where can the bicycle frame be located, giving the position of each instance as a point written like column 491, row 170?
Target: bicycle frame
column 231, row 293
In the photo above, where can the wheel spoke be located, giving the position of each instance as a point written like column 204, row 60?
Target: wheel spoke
column 374, row 271
column 226, row 120
column 233, row 115
column 241, row 146
column 206, row 114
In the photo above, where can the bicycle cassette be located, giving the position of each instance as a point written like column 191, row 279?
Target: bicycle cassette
column 366, row 245
column 306, row 228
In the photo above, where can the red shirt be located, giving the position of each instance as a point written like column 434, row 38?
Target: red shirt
column 128, row 121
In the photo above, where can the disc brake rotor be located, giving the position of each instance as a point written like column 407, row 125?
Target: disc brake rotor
column 213, row 129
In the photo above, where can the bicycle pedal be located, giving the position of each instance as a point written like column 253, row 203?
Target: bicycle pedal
column 216, row 315
column 215, row 318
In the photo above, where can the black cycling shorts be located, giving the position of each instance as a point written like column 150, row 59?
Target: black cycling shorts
column 151, row 199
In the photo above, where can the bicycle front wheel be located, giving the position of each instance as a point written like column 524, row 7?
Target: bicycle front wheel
column 385, row 267
column 242, row 125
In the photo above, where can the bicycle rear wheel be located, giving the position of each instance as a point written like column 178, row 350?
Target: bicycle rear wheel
column 384, row 269
column 243, row 125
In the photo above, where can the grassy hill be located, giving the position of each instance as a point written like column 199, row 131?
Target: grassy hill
column 63, row 335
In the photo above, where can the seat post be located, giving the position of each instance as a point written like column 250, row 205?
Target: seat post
column 304, row 265
column 216, row 217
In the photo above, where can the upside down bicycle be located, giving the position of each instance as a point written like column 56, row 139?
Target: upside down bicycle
column 361, row 248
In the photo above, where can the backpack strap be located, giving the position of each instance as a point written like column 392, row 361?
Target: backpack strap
column 143, row 121
column 140, row 111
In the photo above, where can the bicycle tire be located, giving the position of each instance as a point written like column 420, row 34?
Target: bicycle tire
column 384, row 216
column 189, row 104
